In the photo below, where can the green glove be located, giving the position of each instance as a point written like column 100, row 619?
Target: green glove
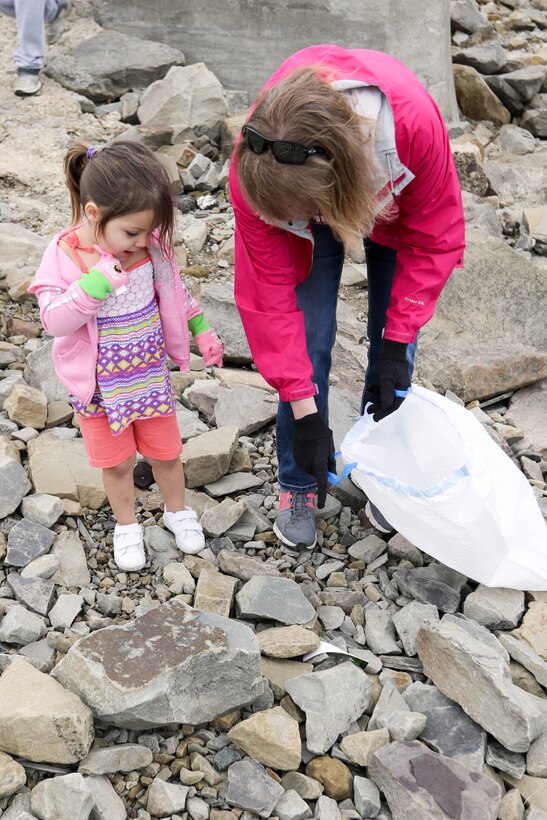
column 95, row 284
column 198, row 325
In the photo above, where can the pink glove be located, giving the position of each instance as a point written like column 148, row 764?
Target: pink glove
column 111, row 269
column 210, row 347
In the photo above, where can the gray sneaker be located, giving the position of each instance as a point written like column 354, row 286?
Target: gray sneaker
column 27, row 84
column 295, row 521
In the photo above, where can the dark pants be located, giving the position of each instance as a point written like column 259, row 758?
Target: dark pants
column 317, row 297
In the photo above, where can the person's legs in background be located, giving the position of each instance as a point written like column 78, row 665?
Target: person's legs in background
column 381, row 262
column 31, row 15
column 317, row 297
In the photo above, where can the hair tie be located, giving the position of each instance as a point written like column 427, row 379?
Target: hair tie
column 90, row 152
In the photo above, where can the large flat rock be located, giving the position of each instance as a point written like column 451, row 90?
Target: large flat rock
column 225, row 36
column 173, row 664
column 488, row 334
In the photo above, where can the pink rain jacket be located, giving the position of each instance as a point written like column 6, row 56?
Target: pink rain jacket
column 428, row 232
column 70, row 315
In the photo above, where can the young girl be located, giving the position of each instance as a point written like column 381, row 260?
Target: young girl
column 111, row 296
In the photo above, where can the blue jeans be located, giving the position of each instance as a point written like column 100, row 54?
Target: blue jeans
column 317, row 297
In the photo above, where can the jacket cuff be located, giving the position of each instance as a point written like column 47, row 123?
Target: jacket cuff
column 302, row 393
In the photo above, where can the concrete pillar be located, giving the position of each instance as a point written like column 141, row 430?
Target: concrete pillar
column 244, row 41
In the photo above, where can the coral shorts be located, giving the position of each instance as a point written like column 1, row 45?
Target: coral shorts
column 157, row 438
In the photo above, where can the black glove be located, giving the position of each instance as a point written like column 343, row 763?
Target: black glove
column 394, row 375
column 313, row 450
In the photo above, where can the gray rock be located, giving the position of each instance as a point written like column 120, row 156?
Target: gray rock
column 521, row 652
column 536, row 759
column 400, row 548
column 332, row 700
column 527, row 411
column 243, row 566
column 123, row 757
column 479, row 632
column 465, row 16
column 307, row 787
column 534, row 813
column 164, row 799
column 206, row 458
column 42, row 508
column 8, row 378
column 65, row 798
column 290, row 806
column 200, row 665
column 511, row 806
column 19, row 626
column 327, row 809
column 420, row 783
column 186, row 97
column 402, row 725
column 366, row 797
column 189, row 423
column 27, row 541
column 15, row 485
column 67, row 607
column 245, row 527
column 367, row 549
column 422, row 585
column 516, row 140
column 380, row 632
column 476, row 676
column 73, row 570
column 197, row 808
column 524, row 83
column 495, row 608
column 220, row 519
column 35, row 594
column 456, row 348
column 108, row 65
column 40, row 653
column 534, row 118
column 277, row 599
column 502, row 759
column 331, row 617
column 486, row 58
column 247, row 407
column 203, row 395
column 108, row 806
column 233, row 483
column 251, row 788
column 390, row 700
column 161, row 546
column 448, row 730
column 408, row 620
column 40, row 373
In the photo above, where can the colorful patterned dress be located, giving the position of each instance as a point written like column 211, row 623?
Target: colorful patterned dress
column 133, row 379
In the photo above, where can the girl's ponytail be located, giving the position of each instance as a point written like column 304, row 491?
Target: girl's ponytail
column 74, row 164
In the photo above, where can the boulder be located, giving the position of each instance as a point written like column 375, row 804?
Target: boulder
column 65, row 798
column 276, row 599
column 15, row 485
column 477, row 676
column 40, row 720
column 248, row 408
column 217, row 302
column 27, row 406
column 61, row 468
column 492, row 298
column 528, row 411
column 207, row 457
column 171, row 665
column 420, row 783
column 476, row 99
column 40, row 373
column 271, row 737
column 186, row 97
column 111, row 63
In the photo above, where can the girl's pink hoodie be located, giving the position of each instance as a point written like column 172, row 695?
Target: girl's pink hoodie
column 73, row 324
column 428, row 232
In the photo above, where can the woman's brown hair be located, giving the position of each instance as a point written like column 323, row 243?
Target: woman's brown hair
column 121, row 178
column 305, row 108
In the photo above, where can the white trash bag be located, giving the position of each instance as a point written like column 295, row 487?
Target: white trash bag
column 447, row 487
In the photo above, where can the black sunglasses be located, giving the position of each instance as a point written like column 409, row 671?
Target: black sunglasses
column 287, row 153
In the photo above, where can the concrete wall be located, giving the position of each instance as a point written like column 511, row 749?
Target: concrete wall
column 243, row 41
